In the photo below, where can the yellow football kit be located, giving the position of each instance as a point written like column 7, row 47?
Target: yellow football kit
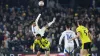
column 86, row 42
column 43, row 43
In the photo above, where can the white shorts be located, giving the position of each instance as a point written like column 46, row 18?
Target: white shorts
column 42, row 31
column 69, row 48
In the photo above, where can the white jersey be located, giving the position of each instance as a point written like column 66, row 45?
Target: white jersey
column 37, row 30
column 42, row 31
column 67, row 35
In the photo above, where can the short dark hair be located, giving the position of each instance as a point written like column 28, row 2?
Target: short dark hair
column 38, row 35
column 80, row 22
column 34, row 23
column 68, row 25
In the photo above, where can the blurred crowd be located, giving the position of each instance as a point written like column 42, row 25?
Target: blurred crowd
column 15, row 25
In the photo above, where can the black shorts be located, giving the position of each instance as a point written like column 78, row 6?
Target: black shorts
column 42, row 50
column 86, row 45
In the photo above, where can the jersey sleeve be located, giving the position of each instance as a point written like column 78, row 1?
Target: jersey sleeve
column 33, row 30
column 34, row 43
column 76, row 40
column 78, row 29
column 73, row 34
column 48, row 44
column 61, row 38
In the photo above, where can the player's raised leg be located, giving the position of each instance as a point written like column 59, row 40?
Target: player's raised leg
column 50, row 23
column 43, row 29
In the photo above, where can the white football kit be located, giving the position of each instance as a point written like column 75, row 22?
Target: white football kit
column 37, row 30
column 68, row 45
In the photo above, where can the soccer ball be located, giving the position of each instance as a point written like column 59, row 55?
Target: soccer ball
column 41, row 3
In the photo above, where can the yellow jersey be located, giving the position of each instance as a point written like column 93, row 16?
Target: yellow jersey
column 83, row 34
column 42, row 43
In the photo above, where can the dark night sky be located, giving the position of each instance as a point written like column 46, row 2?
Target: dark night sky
column 83, row 3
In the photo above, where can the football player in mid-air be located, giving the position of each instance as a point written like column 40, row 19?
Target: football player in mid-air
column 68, row 45
column 41, row 31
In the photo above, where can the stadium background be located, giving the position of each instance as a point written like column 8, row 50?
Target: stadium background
column 16, row 17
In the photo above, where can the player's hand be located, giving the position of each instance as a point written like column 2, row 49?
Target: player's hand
column 33, row 51
column 59, row 48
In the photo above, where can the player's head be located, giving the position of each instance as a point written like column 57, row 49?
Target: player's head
column 68, row 26
column 34, row 24
column 79, row 22
column 38, row 36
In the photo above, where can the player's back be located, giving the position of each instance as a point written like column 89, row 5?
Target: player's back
column 68, row 34
column 43, row 42
column 42, row 31
column 37, row 30
column 83, row 34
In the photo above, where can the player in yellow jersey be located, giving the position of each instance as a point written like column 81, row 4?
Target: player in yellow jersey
column 44, row 45
column 85, row 37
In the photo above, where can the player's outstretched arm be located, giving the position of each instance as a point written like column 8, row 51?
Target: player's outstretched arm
column 33, row 47
column 76, row 40
column 90, row 36
column 61, row 38
column 48, row 44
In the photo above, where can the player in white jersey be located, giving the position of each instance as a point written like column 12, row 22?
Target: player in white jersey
column 35, row 26
column 68, row 45
column 37, row 30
